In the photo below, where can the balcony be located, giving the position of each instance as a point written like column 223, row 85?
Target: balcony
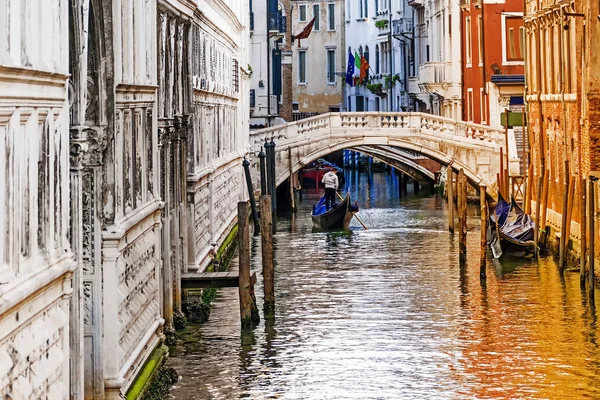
column 402, row 26
column 416, row 3
column 434, row 77
column 277, row 23
column 433, row 72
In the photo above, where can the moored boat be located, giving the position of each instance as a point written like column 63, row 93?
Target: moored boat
column 510, row 227
column 338, row 217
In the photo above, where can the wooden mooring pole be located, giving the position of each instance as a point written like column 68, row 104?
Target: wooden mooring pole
column 592, row 230
column 267, row 257
column 529, row 190
column 484, row 222
column 583, row 253
column 248, row 310
column 462, row 217
column 291, row 181
column 563, row 224
column 450, row 194
column 538, row 206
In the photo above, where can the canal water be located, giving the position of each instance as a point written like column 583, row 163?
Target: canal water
column 389, row 314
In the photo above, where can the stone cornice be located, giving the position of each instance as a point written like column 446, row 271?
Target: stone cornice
column 214, row 30
column 224, row 10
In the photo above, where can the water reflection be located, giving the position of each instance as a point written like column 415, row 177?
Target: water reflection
column 389, row 314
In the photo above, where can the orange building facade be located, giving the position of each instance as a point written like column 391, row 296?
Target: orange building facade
column 493, row 53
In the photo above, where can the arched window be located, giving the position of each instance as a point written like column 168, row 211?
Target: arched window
column 377, row 59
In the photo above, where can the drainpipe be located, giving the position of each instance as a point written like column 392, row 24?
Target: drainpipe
column 391, row 106
column 268, row 67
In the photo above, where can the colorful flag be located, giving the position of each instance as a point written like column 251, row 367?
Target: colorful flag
column 350, row 69
column 364, row 67
column 356, row 60
column 305, row 32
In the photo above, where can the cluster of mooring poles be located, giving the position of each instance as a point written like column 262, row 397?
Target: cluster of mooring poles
column 457, row 191
column 266, row 226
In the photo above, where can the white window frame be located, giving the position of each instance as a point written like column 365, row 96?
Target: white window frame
column 330, row 82
column 317, row 25
column 470, row 105
column 504, row 44
column 300, row 14
column 300, row 82
column 483, row 108
column 469, row 43
column 479, row 39
column 329, row 28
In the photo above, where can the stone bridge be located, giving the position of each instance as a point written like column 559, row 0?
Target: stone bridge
column 473, row 147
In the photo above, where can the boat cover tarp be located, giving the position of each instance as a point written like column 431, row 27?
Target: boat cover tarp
column 518, row 226
column 321, row 207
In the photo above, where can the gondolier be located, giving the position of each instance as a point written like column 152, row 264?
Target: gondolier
column 330, row 180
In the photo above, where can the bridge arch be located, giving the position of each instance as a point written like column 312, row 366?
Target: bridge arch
column 472, row 147
column 366, row 141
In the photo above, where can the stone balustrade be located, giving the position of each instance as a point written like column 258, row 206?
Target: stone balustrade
column 476, row 148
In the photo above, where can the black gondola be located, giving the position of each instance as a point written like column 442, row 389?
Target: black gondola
column 338, row 217
column 512, row 226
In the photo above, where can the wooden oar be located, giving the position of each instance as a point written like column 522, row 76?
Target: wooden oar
column 353, row 214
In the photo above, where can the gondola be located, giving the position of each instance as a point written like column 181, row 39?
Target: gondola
column 338, row 217
column 510, row 227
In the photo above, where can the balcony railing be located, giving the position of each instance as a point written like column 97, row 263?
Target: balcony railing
column 434, row 72
column 402, row 26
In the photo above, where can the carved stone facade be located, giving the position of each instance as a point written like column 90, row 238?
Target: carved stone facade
column 36, row 263
column 122, row 131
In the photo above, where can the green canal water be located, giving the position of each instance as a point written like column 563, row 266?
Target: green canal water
column 389, row 314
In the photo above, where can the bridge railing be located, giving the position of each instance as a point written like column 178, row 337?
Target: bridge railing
column 332, row 123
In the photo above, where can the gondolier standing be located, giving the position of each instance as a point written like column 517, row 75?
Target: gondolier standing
column 330, row 180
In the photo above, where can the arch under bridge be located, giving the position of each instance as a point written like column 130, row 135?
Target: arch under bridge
column 472, row 147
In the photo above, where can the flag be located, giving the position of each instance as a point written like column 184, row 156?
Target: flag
column 350, row 69
column 356, row 60
column 305, row 32
column 364, row 67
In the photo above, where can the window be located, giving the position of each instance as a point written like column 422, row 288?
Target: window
column 470, row 105
column 513, row 50
column 316, row 12
column 468, row 45
column 331, row 66
column 480, row 42
column 295, row 106
column 483, row 100
column 331, row 17
column 367, row 58
column 363, row 8
column 377, row 59
column 302, row 66
column 302, row 13
column 385, row 57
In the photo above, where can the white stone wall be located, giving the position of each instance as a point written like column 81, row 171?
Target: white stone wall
column 85, row 89
column 220, row 125
column 35, row 257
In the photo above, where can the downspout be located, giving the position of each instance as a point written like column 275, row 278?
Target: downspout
column 462, row 68
column 268, row 67
column 391, row 56
column 483, row 64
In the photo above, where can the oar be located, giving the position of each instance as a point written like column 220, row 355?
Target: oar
column 353, row 214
